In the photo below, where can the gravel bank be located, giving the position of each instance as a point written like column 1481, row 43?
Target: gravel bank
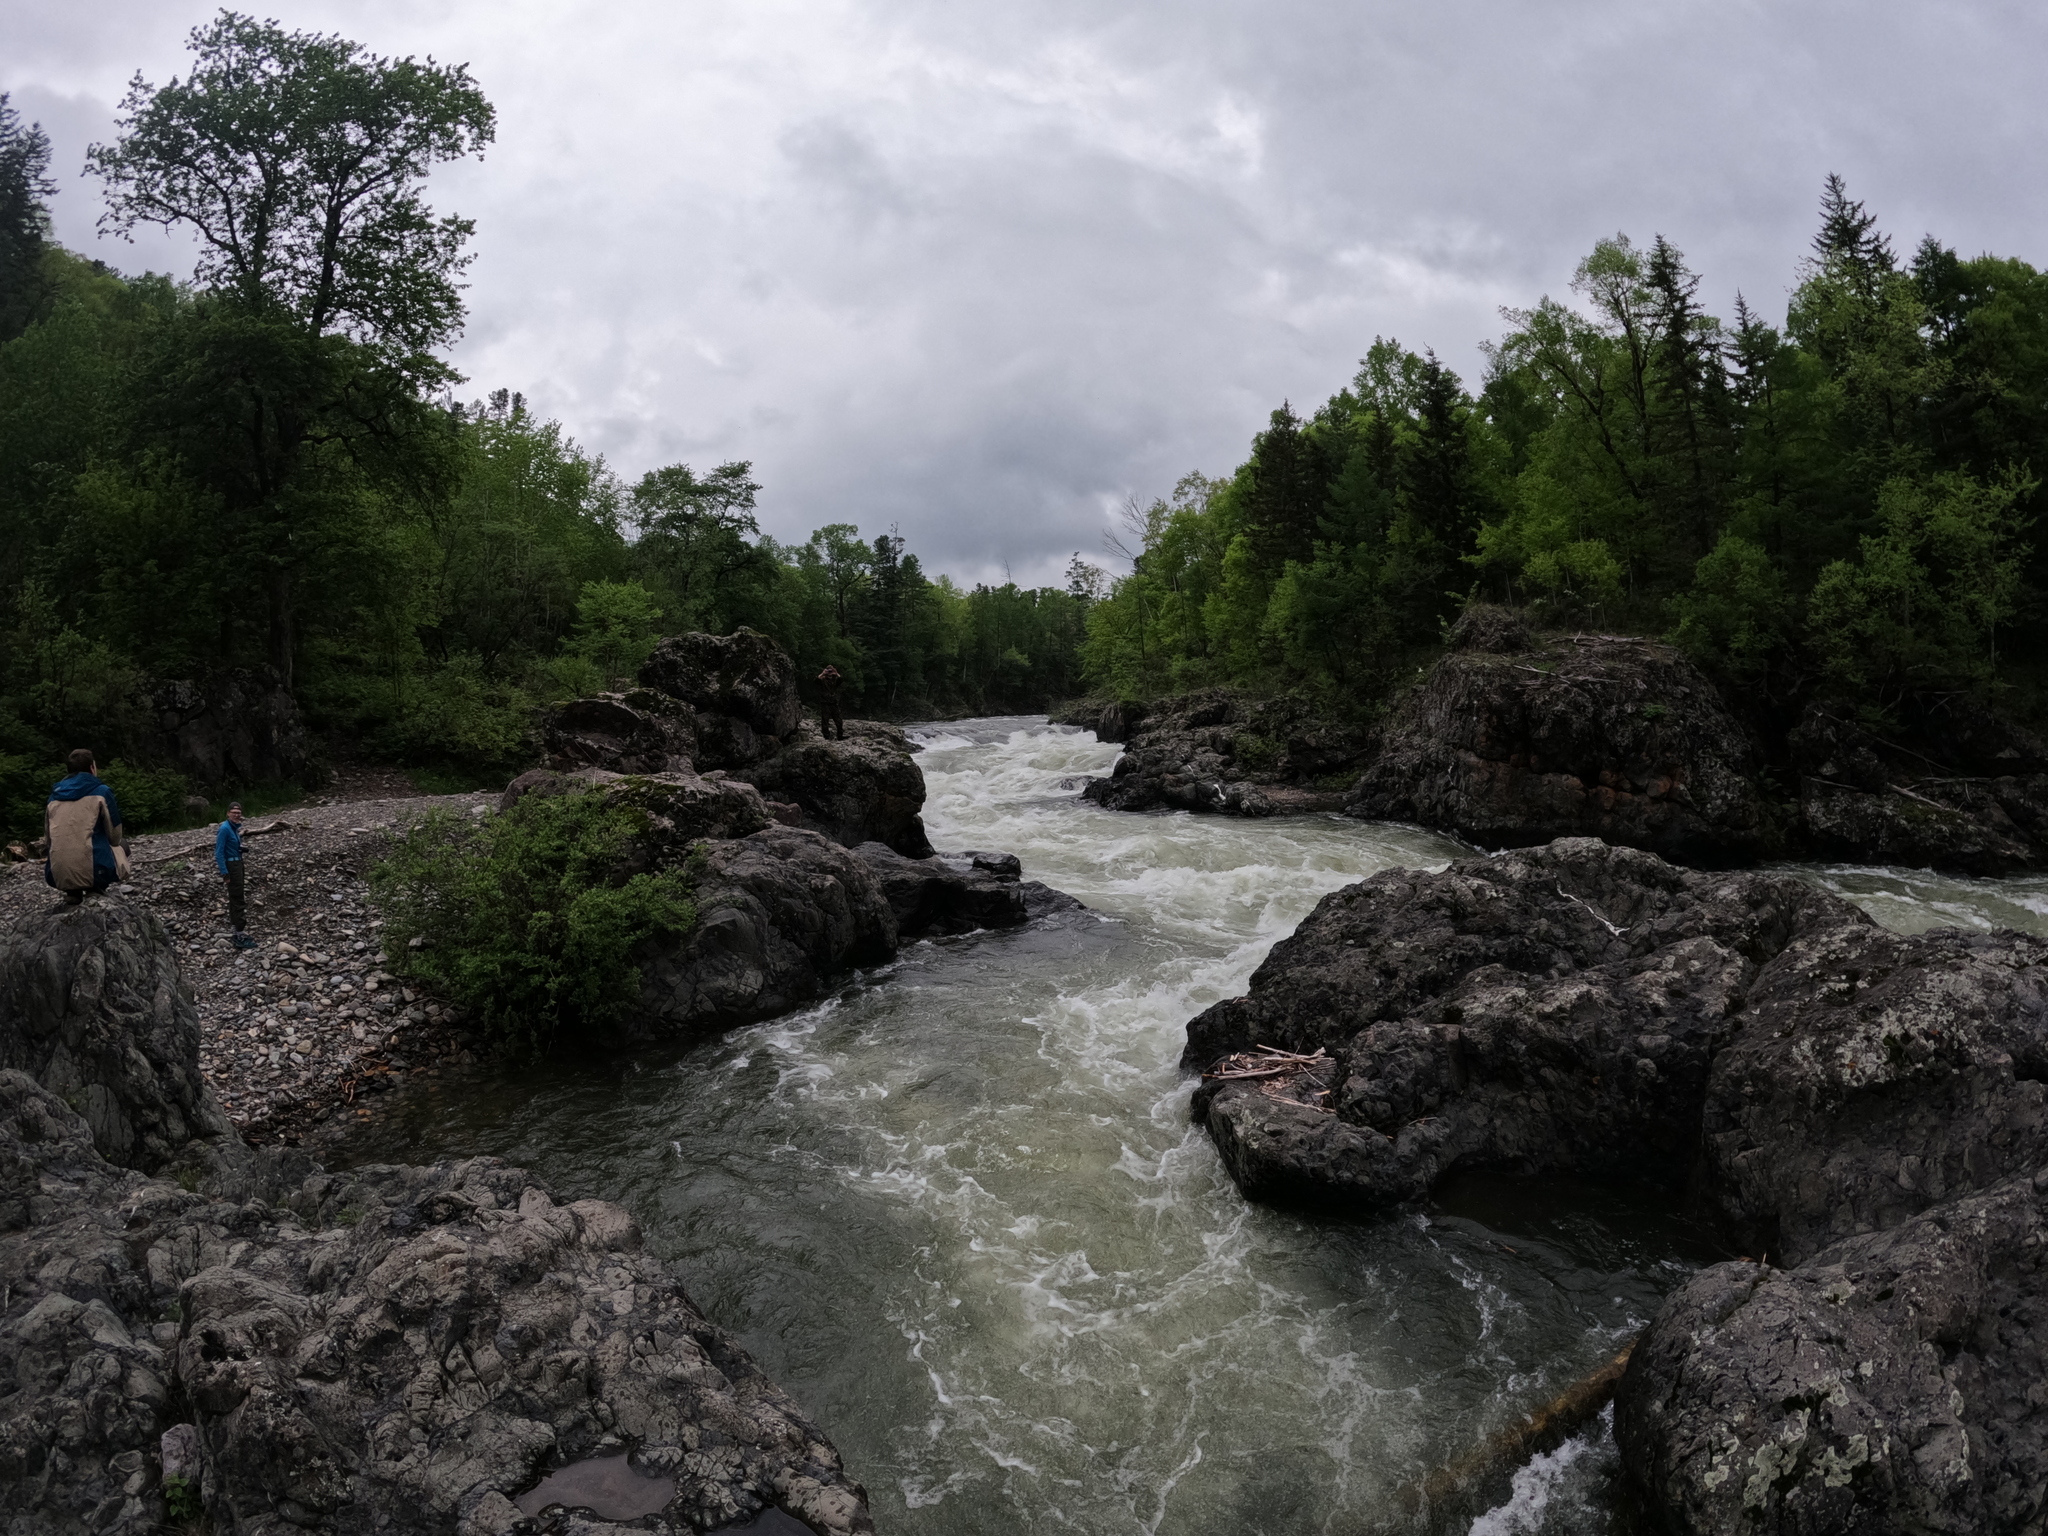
column 302, row 1034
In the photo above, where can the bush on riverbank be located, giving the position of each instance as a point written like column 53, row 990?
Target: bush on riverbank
column 528, row 918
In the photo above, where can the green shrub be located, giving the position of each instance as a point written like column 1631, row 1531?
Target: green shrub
column 151, row 798
column 181, row 1500
column 526, row 918
column 463, row 719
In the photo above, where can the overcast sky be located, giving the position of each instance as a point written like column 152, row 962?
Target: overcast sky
column 983, row 270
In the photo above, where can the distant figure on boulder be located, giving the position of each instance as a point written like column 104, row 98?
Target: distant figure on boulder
column 82, row 831
column 227, row 858
column 829, row 683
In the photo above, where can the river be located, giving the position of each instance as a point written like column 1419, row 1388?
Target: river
column 959, row 1212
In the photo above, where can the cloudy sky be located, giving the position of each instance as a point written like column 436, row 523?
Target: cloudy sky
column 981, row 271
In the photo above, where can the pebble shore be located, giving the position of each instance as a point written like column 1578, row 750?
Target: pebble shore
column 305, row 1032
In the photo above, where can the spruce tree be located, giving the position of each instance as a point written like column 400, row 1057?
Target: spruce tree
column 25, row 190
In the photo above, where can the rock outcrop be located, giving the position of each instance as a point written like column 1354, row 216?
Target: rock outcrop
column 856, row 791
column 1866, row 1110
column 1979, row 808
column 639, row 731
column 780, row 914
column 1589, row 736
column 397, row 1349
column 91, row 1006
column 1891, row 1383
column 1226, row 753
column 229, row 727
column 948, row 893
column 743, row 681
column 727, row 705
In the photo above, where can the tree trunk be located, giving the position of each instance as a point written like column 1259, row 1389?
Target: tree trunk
column 278, row 591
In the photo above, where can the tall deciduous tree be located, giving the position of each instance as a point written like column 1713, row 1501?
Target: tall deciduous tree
column 298, row 159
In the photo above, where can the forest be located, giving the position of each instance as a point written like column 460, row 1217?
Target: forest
column 271, row 465
column 1840, row 507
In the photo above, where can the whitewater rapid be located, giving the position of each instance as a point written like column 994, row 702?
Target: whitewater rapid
column 958, row 1209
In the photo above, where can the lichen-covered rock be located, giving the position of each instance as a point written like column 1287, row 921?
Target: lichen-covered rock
column 682, row 809
column 1890, row 1383
column 780, row 914
column 743, row 676
column 92, row 1008
column 855, row 791
column 1874, row 1075
column 947, row 893
column 1618, row 739
column 639, row 731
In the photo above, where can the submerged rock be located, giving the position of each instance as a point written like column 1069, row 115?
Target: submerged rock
column 1592, row 736
column 397, row 1349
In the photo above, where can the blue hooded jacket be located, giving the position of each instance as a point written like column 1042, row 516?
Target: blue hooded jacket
column 76, row 787
column 227, row 845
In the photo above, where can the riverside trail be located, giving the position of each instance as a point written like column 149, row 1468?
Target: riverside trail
column 959, row 1212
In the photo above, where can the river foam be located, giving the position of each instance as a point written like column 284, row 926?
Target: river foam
column 959, row 1211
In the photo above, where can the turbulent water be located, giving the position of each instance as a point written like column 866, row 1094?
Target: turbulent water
column 959, row 1212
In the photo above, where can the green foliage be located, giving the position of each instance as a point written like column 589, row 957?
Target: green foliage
column 181, row 1500
column 617, row 623
column 459, row 717
column 1739, row 615
column 528, row 919
column 151, row 798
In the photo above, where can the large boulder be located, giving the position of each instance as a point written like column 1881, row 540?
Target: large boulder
column 681, row 809
column 229, row 727
column 780, row 915
column 1592, row 736
column 744, row 677
column 91, row 1006
column 1551, row 1009
column 1227, row 753
column 1893, row 1382
column 855, row 791
column 638, row 731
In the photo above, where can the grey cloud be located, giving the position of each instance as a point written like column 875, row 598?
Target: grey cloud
column 980, row 270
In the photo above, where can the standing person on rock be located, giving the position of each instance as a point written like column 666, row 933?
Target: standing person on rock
column 829, row 684
column 227, row 858
column 82, row 831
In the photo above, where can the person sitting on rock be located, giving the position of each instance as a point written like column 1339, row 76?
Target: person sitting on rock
column 82, row 831
column 227, row 858
column 829, row 683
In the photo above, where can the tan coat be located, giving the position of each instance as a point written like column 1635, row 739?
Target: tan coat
column 69, row 826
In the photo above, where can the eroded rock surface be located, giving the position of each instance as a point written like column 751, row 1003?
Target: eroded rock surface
column 640, row 731
column 948, row 893
column 397, row 1349
column 860, row 790
column 91, row 1006
column 743, row 677
column 1581, row 736
column 1891, row 1383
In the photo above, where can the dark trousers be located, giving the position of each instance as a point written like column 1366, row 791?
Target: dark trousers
column 829, row 716
column 235, row 894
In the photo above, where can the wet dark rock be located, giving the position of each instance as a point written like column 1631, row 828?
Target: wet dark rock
column 1982, row 810
column 91, row 1006
column 229, row 727
column 745, row 677
column 947, row 893
column 639, row 731
column 855, row 791
column 1890, row 1383
column 1228, row 753
column 1111, row 722
column 1585, row 736
column 780, row 915
column 1550, row 1009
